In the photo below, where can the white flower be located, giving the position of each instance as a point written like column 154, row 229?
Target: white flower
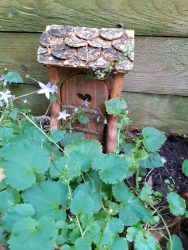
column 98, row 119
column 47, row 89
column 63, row 115
column 25, row 101
column 6, row 96
column 54, row 89
column 2, row 176
column 85, row 103
column 105, row 121
column 76, row 110
column 5, row 81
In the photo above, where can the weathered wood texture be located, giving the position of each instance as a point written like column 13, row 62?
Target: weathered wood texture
column 169, row 113
column 161, row 64
column 37, row 103
column 147, row 17
column 116, row 90
column 74, row 91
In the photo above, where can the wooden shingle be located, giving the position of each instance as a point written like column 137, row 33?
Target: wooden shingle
column 83, row 47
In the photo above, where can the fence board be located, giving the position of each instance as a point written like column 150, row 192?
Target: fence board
column 168, row 113
column 161, row 64
column 147, row 17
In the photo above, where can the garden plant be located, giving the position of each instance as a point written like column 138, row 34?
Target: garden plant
column 59, row 191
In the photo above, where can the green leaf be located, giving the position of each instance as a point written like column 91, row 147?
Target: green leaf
column 86, row 193
column 32, row 134
column 56, row 135
column 15, row 214
column 154, row 160
column 112, row 168
column 13, row 77
column 177, row 204
column 3, row 184
column 22, row 161
column 5, row 135
column 186, row 214
column 82, row 244
column 48, row 198
column 83, row 119
column 185, row 167
column 63, row 237
column 128, row 148
column 141, row 154
column 120, row 244
column 13, row 115
column 8, row 198
column 31, row 234
column 112, row 228
column 93, row 232
column 78, row 204
column 89, row 148
column 146, row 192
column 116, row 106
column 53, row 98
column 145, row 241
column 132, row 232
column 67, row 247
column 70, row 167
column 132, row 210
column 69, row 138
column 116, row 225
column 153, row 139
column 176, row 243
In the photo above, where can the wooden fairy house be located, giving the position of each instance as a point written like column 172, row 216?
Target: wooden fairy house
column 88, row 65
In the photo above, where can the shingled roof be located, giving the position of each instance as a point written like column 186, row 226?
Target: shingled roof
column 83, row 47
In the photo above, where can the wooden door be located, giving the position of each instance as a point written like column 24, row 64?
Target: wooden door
column 75, row 91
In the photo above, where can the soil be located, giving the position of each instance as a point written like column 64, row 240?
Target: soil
column 175, row 150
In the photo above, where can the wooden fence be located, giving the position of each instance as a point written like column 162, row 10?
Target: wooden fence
column 156, row 90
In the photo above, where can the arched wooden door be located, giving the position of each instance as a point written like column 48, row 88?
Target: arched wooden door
column 75, row 91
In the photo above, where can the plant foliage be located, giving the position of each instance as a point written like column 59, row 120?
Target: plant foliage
column 77, row 197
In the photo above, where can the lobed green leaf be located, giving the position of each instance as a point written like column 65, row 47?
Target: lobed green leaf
column 48, row 198
column 120, row 244
column 22, row 162
column 185, row 167
column 116, row 106
column 8, row 198
column 132, row 210
column 146, row 241
column 13, row 77
column 31, row 234
column 86, row 193
column 89, row 148
column 112, row 168
column 176, row 243
column 177, row 204
column 154, row 160
column 15, row 214
column 153, row 139
column 69, row 167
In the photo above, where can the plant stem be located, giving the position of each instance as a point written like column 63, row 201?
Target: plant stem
column 166, row 227
column 47, row 109
column 1, row 118
column 80, row 228
column 137, row 177
column 31, row 93
column 77, row 219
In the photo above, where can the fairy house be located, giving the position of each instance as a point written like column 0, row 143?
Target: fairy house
column 88, row 65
